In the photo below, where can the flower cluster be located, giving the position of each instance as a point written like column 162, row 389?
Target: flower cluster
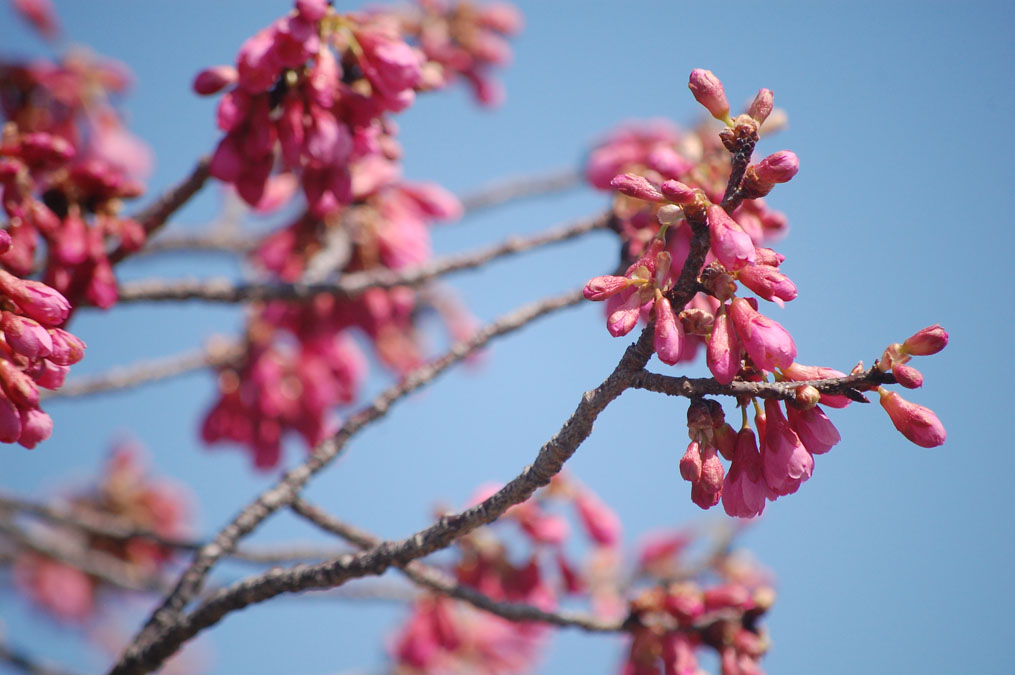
column 125, row 495
column 308, row 106
column 66, row 165
column 443, row 635
column 669, row 189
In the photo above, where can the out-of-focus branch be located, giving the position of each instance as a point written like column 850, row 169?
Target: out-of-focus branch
column 136, row 374
column 437, row 580
column 225, row 290
column 154, row 216
column 151, row 645
column 496, row 193
column 112, row 527
column 24, row 662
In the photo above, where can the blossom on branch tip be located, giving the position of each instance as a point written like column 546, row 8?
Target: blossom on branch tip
column 917, row 423
column 761, row 106
column 636, row 186
column 927, row 341
column 709, row 92
column 779, row 167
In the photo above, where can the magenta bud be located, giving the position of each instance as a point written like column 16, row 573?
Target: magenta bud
column 213, row 80
column 761, row 106
column 930, row 340
column 712, row 472
column 636, row 186
column 36, row 426
column 36, row 299
column 68, row 349
column 778, row 167
column 677, row 192
column 920, row 425
column 708, row 91
column 908, row 376
column 603, row 287
column 690, row 463
column 26, row 336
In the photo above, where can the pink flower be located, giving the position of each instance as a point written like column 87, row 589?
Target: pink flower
column 600, row 522
column 779, row 167
column 690, row 463
column 26, row 336
column 669, row 333
column 678, row 193
column 785, row 461
column 744, row 490
column 930, row 340
column 708, row 91
column 35, row 299
column 601, row 288
column 768, row 282
column 731, row 245
column 801, row 373
column 918, row 424
column 761, row 106
column 766, row 342
column 814, row 429
column 637, row 186
column 908, row 376
column 391, row 65
column 723, row 353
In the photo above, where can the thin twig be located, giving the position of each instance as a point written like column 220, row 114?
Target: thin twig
column 349, row 285
column 136, row 374
column 154, row 216
column 112, row 527
column 25, row 663
column 441, row 582
column 166, row 617
column 688, row 387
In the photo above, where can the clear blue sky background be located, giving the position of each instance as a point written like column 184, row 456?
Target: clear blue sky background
column 892, row 558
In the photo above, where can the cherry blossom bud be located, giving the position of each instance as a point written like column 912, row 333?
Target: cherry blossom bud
column 668, row 214
column 67, row 349
column 703, row 498
column 807, row 396
column 213, row 80
column 731, row 245
column 744, row 489
column 725, row 441
column 768, row 282
column 669, row 333
column 677, row 192
column 767, row 256
column 40, row 148
column 908, row 376
column 690, row 463
column 636, row 186
column 779, row 167
column 36, row 299
column 601, row 524
column 708, row 91
column 26, row 336
column 623, row 311
column 930, row 340
column 723, row 352
column 712, row 472
column 786, row 463
column 761, row 106
column 603, row 287
column 36, row 426
column 918, row 424
column 768, row 344
column 312, row 10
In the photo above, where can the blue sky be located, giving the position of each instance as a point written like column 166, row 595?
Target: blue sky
column 892, row 558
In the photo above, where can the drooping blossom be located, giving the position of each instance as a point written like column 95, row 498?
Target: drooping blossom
column 917, row 423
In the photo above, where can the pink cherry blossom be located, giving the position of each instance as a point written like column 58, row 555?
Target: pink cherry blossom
column 915, row 422
column 731, row 245
column 766, row 342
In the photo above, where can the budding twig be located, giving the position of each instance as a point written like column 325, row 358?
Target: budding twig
column 349, row 285
column 689, row 387
column 160, row 636
column 437, row 580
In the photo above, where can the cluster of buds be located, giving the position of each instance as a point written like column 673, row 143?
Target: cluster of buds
column 307, row 106
column 442, row 635
column 718, row 608
column 34, row 352
column 126, row 496
column 741, row 342
column 66, row 165
column 310, row 94
column 463, row 40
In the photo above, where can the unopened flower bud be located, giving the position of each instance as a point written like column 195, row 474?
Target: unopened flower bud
column 779, row 167
column 636, row 186
column 712, row 472
column 668, row 214
column 677, row 192
column 908, row 376
column 917, row 423
column 699, row 417
column 603, row 287
column 930, row 340
column 761, row 106
column 213, row 80
column 709, row 92
column 807, row 395
column 690, row 463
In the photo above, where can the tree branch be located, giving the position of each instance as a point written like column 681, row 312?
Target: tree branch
column 353, row 284
column 437, row 580
column 136, row 374
column 282, row 494
column 850, row 385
